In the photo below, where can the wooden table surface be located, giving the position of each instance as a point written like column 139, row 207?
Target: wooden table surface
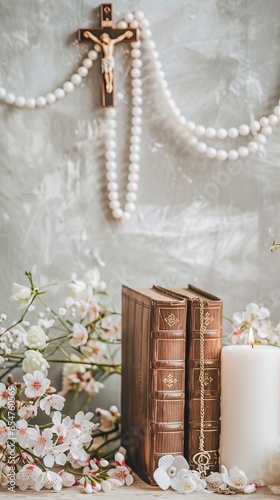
column 138, row 490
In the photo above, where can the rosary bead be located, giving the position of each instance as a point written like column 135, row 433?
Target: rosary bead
column 20, row 102
column 131, row 196
column 111, row 144
column 112, row 186
column 211, row 152
column 76, row 79
column 150, row 44
column 200, row 130
column 135, row 53
column 233, row 133
column 135, row 139
column 244, row 129
column 145, row 22
column 59, row 93
column 111, row 123
column 136, row 82
column 10, row 98
column 139, row 15
column 82, row 71
column 2, row 93
column 264, row 121
column 243, row 152
column 111, row 165
column 261, row 138
column 136, row 130
column 210, row 133
column 190, row 126
column 253, row 146
column 110, row 134
column 221, row 154
column 114, row 204
column 111, row 176
column 146, row 33
column 134, row 148
column 93, row 55
column 132, row 186
column 201, row 147
column 137, row 111
column 133, row 177
column 111, row 113
column 50, row 98
column 129, row 207
column 134, row 24
column 233, row 154
column 255, row 126
column 110, row 155
column 30, row 103
column 134, row 167
column 135, row 73
column 117, row 213
column 97, row 47
column 136, row 45
column 222, row 133
column 182, row 120
column 273, row 120
column 122, row 24
column 137, row 63
column 267, row 130
column 129, row 17
column 68, row 87
column 113, row 195
column 125, row 216
column 136, row 120
column 41, row 102
column 87, row 63
column 134, row 158
column 192, row 140
column 137, row 101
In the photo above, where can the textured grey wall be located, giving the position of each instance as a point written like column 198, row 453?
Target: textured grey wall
column 221, row 59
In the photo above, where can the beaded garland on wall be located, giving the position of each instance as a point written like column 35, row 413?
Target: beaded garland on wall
column 196, row 136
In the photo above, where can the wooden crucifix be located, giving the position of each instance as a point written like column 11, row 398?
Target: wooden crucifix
column 107, row 37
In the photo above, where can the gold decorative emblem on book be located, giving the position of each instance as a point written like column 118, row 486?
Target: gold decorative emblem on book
column 171, row 320
column 207, row 319
column 170, row 380
column 206, row 379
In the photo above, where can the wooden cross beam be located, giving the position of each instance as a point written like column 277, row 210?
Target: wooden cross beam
column 107, row 37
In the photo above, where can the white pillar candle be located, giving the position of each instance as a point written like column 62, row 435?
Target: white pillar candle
column 250, row 411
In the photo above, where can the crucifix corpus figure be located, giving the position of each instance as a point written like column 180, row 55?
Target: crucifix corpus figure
column 107, row 36
column 108, row 60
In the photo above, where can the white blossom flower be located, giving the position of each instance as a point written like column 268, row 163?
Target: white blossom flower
column 36, row 384
column 107, row 418
column 83, row 422
column 4, row 432
column 52, row 480
column 34, row 360
column 111, row 328
column 215, row 482
column 76, row 287
column 76, row 447
column 68, row 479
column 25, row 435
column 80, row 335
column 46, row 323
column 186, row 481
column 28, row 411
column 28, row 476
column 4, row 473
column 92, row 278
column 94, row 350
column 168, row 467
column 35, row 338
column 4, row 395
column 55, row 454
column 90, row 485
column 43, row 441
column 235, row 478
column 121, row 472
column 52, row 401
column 110, row 484
column 21, row 295
column 62, row 311
column 258, row 318
column 61, row 425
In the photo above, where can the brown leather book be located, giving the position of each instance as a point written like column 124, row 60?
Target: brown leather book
column 153, row 377
column 212, row 313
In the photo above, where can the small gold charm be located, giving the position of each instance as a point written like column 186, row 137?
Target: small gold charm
column 170, row 380
column 171, row 320
column 202, row 460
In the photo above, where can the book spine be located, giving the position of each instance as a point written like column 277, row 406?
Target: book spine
column 167, row 371
column 212, row 314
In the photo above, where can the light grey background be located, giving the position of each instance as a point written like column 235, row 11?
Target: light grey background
column 192, row 224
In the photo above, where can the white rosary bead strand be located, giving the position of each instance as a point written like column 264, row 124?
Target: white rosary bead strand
column 118, row 212
column 258, row 128
column 58, row 94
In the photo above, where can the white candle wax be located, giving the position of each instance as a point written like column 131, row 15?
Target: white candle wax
column 250, row 411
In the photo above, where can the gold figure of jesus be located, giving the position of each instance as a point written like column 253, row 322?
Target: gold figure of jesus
column 108, row 60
